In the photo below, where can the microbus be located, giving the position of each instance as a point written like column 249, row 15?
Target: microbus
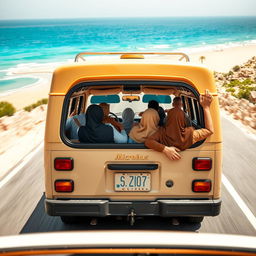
column 100, row 180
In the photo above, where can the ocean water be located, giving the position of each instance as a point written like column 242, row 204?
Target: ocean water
column 27, row 43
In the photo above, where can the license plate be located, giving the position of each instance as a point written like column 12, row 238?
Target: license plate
column 132, row 182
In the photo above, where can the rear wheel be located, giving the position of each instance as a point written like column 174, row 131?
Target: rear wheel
column 194, row 219
column 69, row 219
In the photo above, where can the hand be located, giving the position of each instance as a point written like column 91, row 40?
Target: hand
column 206, row 99
column 172, row 153
column 72, row 114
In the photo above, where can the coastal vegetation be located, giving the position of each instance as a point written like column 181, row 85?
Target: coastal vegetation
column 241, row 89
column 6, row 109
column 35, row 105
column 236, row 68
column 240, row 81
column 237, row 92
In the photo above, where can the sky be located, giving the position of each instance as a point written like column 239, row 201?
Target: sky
column 48, row 9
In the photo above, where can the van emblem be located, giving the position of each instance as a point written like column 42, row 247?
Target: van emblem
column 130, row 157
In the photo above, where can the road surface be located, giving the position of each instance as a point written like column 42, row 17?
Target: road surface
column 238, row 195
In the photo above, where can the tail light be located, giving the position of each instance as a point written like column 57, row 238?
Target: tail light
column 63, row 164
column 201, row 185
column 64, row 185
column 202, row 163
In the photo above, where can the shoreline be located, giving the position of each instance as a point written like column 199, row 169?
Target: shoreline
column 25, row 128
column 216, row 59
column 36, row 83
column 28, row 94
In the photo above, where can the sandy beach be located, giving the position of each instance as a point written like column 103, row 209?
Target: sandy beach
column 27, row 128
column 221, row 60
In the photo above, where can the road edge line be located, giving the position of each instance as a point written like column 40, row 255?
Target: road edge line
column 239, row 201
column 18, row 168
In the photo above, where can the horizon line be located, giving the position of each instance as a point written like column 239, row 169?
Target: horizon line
column 132, row 17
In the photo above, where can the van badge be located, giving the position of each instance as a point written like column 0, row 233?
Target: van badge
column 130, row 157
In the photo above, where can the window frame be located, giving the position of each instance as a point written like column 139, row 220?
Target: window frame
column 78, row 86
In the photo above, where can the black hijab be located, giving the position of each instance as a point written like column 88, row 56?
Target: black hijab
column 161, row 115
column 95, row 131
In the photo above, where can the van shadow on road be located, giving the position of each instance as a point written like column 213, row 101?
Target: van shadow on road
column 41, row 222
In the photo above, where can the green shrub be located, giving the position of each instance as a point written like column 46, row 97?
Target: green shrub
column 231, row 90
column 232, row 84
column 44, row 101
column 247, row 81
column 34, row 105
column 6, row 109
column 237, row 83
column 243, row 94
column 28, row 108
column 236, row 68
column 230, row 73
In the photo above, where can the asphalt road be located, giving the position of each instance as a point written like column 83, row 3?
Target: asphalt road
column 238, row 207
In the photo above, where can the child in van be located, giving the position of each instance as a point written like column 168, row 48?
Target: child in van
column 176, row 136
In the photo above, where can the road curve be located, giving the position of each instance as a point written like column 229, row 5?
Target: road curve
column 239, row 167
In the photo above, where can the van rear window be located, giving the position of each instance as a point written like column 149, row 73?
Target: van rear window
column 119, row 96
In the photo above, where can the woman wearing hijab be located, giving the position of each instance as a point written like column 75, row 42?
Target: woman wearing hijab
column 175, row 136
column 96, row 132
column 147, row 126
column 128, row 119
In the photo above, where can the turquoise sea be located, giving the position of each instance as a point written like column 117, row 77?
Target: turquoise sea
column 30, row 42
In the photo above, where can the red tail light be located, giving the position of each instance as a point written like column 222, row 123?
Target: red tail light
column 202, row 163
column 64, row 185
column 63, row 164
column 201, row 185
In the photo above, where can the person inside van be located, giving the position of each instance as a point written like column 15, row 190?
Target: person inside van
column 175, row 136
column 73, row 123
column 108, row 119
column 147, row 126
column 155, row 105
column 162, row 116
column 128, row 119
column 95, row 131
column 177, row 104
column 151, row 104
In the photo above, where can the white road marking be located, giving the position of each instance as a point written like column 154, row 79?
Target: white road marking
column 247, row 212
column 17, row 169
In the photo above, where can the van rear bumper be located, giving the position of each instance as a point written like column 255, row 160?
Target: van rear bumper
column 103, row 208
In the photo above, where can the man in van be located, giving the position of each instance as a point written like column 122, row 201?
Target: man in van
column 107, row 119
column 177, row 104
column 175, row 136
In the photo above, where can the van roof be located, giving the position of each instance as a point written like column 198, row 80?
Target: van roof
column 102, row 69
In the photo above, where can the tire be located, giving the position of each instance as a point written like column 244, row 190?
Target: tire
column 194, row 220
column 69, row 219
